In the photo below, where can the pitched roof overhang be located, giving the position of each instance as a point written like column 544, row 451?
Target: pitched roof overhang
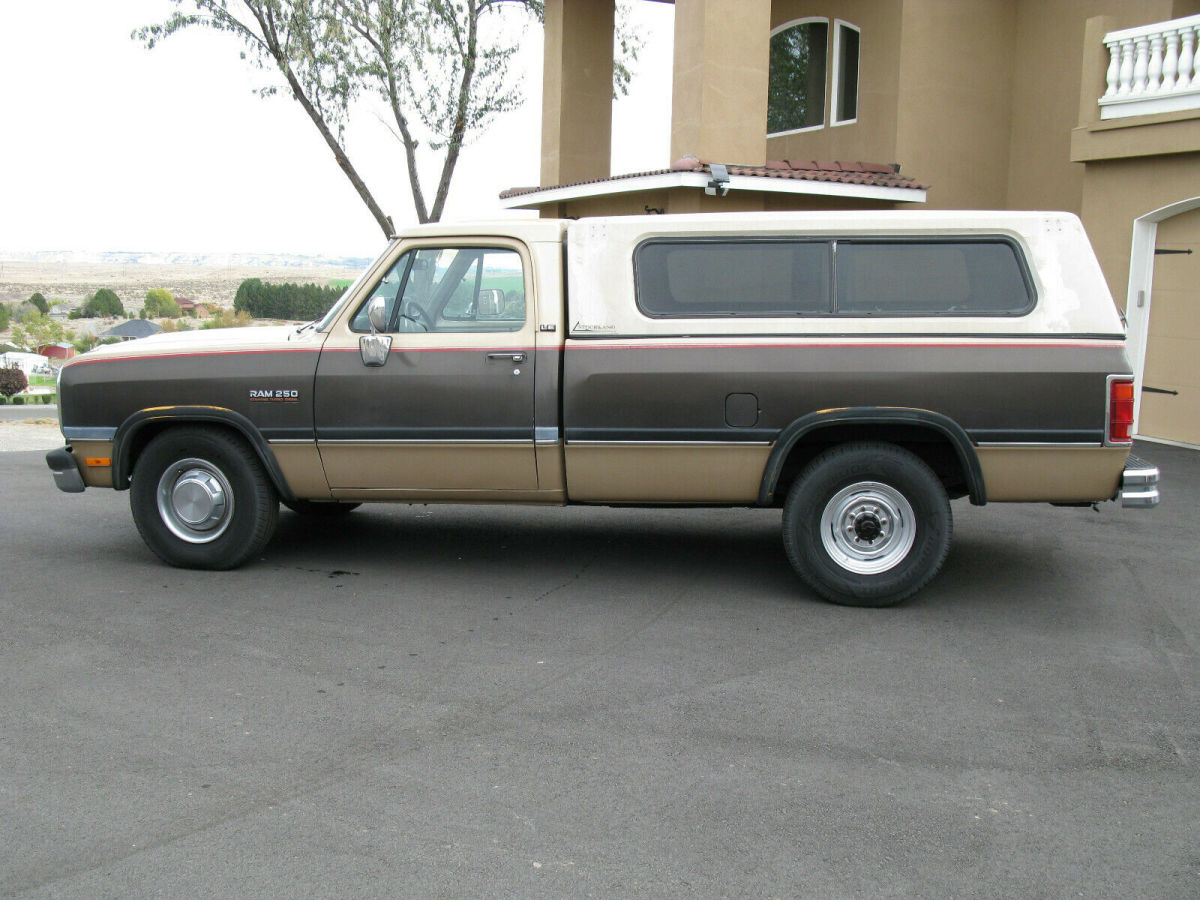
column 870, row 181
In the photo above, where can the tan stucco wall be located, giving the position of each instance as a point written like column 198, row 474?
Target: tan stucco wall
column 955, row 99
column 1051, row 47
column 719, row 94
column 1116, row 192
column 976, row 98
column 577, row 90
column 872, row 138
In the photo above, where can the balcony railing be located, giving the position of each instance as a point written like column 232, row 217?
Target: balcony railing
column 1153, row 69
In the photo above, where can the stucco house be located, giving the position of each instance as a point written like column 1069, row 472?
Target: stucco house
column 62, row 311
column 1089, row 106
column 192, row 308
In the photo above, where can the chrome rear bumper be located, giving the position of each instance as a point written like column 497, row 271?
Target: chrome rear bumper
column 1139, row 484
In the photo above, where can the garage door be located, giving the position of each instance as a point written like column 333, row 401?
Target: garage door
column 1171, row 379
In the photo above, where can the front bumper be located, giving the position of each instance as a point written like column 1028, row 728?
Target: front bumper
column 1139, row 484
column 65, row 470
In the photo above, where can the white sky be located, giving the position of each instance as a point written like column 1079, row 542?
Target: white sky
column 105, row 145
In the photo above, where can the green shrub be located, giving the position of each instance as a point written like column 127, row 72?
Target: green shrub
column 227, row 318
column 103, row 303
column 160, row 305
column 299, row 302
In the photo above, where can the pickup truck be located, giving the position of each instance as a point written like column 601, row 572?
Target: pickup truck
column 857, row 370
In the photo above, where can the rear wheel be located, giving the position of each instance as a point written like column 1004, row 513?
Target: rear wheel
column 201, row 499
column 867, row 524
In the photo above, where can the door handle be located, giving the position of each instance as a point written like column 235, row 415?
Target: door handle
column 514, row 357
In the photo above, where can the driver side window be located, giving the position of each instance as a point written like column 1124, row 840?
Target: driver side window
column 451, row 289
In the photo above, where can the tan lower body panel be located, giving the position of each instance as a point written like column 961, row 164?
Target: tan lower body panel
column 94, row 459
column 300, row 464
column 434, row 468
column 1051, row 474
column 551, row 476
column 425, row 495
column 638, row 472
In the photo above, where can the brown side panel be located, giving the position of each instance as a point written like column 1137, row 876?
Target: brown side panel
column 105, row 393
column 1027, row 392
column 424, row 393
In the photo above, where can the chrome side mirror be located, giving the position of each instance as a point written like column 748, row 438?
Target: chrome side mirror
column 377, row 314
column 374, row 347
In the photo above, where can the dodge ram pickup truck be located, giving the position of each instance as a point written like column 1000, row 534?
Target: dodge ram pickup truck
column 857, row 370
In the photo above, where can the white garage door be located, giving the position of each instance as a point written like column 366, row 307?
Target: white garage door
column 1171, row 379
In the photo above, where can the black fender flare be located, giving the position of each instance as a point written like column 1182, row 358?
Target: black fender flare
column 123, row 440
column 946, row 427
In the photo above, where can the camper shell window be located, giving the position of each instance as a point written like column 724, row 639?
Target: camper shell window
column 851, row 277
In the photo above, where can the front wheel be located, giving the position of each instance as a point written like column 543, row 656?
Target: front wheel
column 867, row 524
column 201, row 499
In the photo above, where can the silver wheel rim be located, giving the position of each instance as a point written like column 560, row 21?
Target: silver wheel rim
column 195, row 501
column 868, row 528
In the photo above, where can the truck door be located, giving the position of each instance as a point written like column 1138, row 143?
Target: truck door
column 439, row 403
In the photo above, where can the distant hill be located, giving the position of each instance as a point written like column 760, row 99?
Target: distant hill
column 212, row 260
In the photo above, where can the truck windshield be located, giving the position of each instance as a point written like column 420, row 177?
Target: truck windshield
column 326, row 320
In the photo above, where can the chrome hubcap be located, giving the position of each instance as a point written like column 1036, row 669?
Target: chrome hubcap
column 195, row 501
column 868, row 528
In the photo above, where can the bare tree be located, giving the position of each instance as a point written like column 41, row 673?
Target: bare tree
column 292, row 37
column 431, row 61
column 440, row 67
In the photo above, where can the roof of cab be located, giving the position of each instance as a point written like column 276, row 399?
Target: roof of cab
column 526, row 229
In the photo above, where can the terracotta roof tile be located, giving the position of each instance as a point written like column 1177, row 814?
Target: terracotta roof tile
column 870, row 174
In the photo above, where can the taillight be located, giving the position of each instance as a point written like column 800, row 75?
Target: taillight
column 1120, row 410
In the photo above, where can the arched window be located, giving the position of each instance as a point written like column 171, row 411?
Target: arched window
column 800, row 73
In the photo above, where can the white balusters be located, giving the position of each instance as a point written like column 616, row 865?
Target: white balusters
column 1141, row 65
column 1125, row 50
column 1153, row 68
column 1186, row 59
column 1170, row 63
column 1113, row 76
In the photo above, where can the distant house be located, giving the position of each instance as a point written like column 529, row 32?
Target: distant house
column 192, row 308
column 59, row 350
column 131, row 329
column 29, row 363
column 63, row 310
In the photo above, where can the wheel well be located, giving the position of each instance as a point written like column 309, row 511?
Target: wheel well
column 140, row 436
column 933, row 447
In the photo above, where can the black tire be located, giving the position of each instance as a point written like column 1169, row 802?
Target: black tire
column 201, row 499
column 320, row 510
column 867, row 524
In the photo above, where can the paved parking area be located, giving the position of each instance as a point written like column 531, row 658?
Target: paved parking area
column 465, row 701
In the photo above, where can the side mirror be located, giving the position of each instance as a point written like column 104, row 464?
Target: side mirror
column 490, row 304
column 377, row 314
column 374, row 349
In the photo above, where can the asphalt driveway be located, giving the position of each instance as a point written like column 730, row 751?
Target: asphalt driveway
column 469, row 701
